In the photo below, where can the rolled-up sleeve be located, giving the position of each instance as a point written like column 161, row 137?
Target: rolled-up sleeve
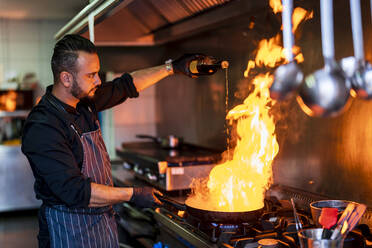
column 52, row 162
column 112, row 93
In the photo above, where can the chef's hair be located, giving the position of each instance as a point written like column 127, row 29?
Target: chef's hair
column 66, row 53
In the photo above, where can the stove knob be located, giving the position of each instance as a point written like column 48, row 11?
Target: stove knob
column 137, row 169
column 151, row 177
column 127, row 165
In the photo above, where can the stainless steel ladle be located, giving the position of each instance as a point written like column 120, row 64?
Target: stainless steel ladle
column 287, row 77
column 325, row 92
column 356, row 68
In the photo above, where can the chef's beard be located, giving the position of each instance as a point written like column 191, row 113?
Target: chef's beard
column 78, row 93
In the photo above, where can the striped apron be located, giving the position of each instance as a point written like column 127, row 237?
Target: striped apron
column 86, row 227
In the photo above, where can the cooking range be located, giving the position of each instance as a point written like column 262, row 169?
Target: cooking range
column 274, row 227
column 174, row 225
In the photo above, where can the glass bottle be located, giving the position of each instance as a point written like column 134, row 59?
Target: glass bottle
column 207, row 65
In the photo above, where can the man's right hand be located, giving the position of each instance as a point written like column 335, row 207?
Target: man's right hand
column 182, row 64
column 145, row 197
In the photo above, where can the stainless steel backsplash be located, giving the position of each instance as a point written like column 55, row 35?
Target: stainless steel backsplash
column 331, row 156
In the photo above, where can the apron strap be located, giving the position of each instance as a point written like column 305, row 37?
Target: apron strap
column 63, row 111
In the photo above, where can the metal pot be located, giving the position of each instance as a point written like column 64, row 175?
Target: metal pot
column 312, row 238
column 316, row 208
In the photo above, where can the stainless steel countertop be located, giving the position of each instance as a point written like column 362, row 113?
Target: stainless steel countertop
column 126, row 178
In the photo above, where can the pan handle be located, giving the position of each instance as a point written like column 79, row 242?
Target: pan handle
column 173, row 203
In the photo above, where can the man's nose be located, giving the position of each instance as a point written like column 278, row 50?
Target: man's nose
column 98, row 81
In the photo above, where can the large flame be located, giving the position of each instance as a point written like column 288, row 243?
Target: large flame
column 239, row 184
column 300, row 15
column 276, row 5
column 270, row 52
column 8, row 101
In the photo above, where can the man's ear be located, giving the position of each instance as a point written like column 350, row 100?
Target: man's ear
column 66, row 78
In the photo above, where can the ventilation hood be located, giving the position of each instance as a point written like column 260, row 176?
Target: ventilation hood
column 154, row 22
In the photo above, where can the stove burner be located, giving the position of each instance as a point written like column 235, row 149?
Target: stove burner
column 274, row 229
column 268, row 243
column 225, row 227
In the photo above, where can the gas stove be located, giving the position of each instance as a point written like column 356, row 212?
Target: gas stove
column 275, row 228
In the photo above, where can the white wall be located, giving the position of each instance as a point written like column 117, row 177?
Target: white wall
column 27, row 46
column 134, row 116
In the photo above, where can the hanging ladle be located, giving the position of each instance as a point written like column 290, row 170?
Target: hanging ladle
column 356, row 68
column 288, row 76
column 325, row 92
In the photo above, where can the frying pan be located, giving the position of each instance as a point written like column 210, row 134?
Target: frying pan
column 211, row 215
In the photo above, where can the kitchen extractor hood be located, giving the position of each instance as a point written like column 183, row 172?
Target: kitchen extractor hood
column 154, row 22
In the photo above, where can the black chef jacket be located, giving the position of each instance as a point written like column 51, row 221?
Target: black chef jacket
column 54, row 150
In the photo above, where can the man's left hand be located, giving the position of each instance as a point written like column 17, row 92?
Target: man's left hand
column 182, row 64
column 145, row 197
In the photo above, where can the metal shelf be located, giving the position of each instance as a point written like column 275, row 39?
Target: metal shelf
column 17, row 113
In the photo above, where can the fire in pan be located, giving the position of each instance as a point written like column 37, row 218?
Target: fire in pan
column 211, row 215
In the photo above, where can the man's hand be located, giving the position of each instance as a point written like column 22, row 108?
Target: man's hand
column 145, row 197
column 182, row 64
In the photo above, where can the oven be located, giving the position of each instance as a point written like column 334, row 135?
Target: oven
column 16, row 178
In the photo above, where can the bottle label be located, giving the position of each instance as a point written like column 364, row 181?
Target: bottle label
column 193, row 66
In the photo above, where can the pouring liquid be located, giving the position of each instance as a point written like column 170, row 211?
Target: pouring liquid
column 226, row 111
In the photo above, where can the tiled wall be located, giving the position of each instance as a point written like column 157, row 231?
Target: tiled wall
column 26, row 46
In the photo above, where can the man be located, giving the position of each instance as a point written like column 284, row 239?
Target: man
column 63, row 143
